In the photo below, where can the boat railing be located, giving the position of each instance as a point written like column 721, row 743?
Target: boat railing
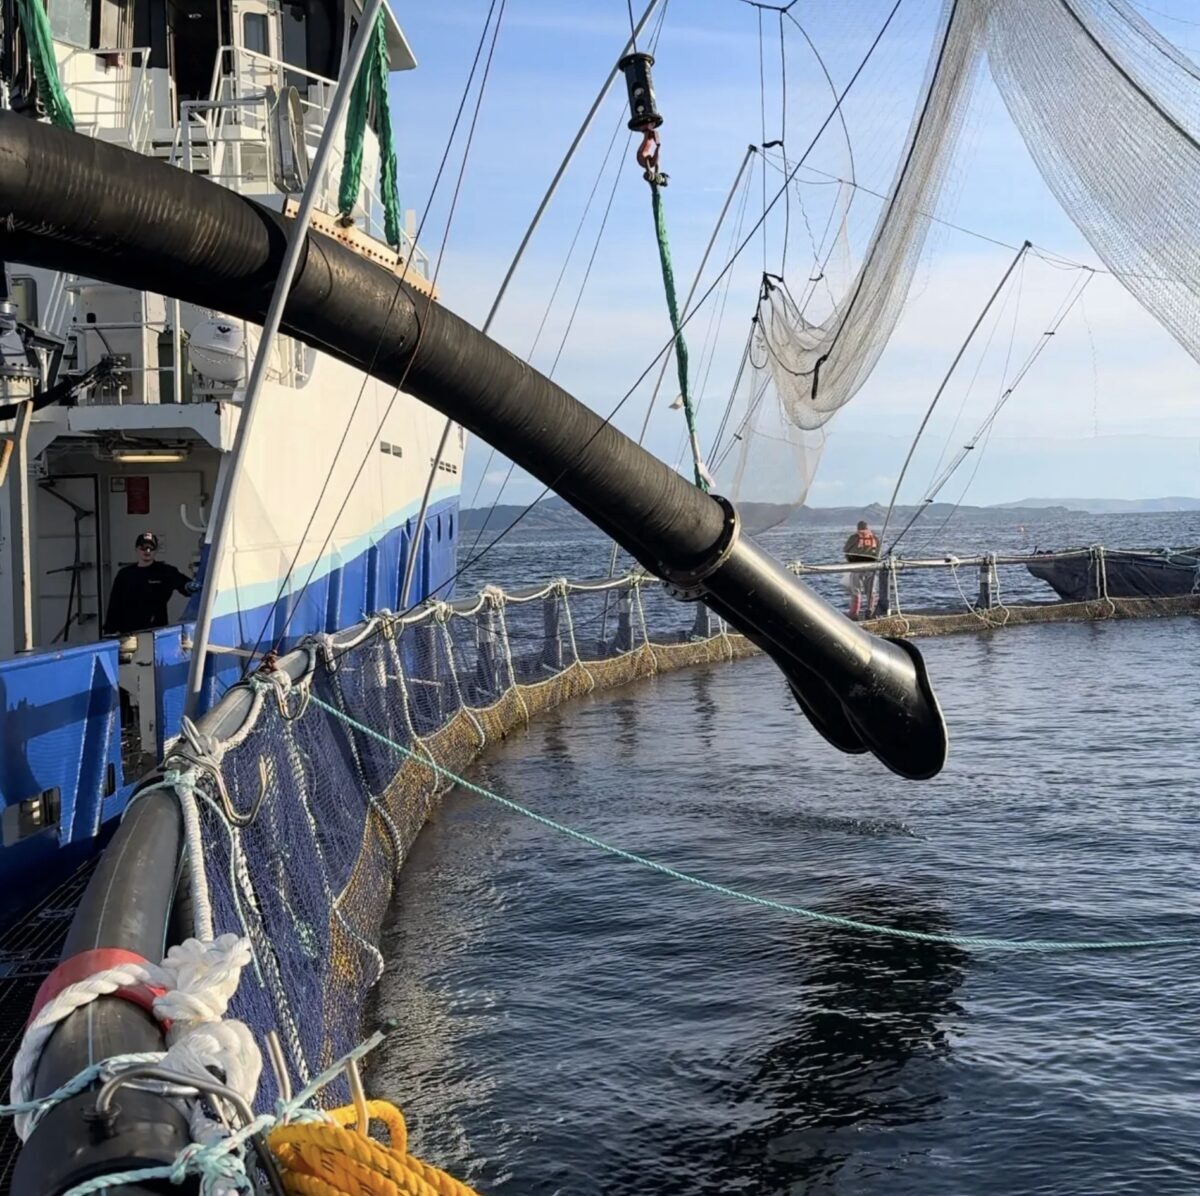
column 1000, row 580
column 117, row 106
column 903, row 564
column 228, row 137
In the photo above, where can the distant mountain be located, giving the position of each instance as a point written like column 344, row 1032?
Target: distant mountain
column 555, row 515
column 1109, row 506
column 551, row 514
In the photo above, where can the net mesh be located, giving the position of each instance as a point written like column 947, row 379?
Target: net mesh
column 309, row 880
column 1118, row 146
column 1110, row 112
column 310, row 877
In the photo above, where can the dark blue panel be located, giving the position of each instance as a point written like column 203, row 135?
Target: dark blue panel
column 442, row 549
column 171, row 665
column 60, row 726
column 352, row 604
column 372, row 596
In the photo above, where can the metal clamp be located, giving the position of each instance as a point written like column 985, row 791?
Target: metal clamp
column 199, row 758
column 105, row 1110
column 687, row 584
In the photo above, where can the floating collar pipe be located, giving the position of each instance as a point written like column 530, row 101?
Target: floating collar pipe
column 80, row 204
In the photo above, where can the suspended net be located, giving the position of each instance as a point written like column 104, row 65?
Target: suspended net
column 820, row 359
column 767, row 462
column 1110, row 112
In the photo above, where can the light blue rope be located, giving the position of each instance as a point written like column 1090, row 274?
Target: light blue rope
column 41, row 1105
column 982, row 942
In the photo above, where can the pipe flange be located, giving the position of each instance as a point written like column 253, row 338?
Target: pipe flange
column 683, row 593
column 690, row 581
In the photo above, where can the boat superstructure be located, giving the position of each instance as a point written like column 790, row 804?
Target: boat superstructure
column 239, row 92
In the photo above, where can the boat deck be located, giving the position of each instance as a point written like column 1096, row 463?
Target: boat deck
column 29, row 950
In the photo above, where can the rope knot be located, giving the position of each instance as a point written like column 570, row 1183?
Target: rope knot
column 201, row 979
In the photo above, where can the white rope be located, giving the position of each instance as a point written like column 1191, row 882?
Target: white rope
column 566, row 601
column 1099, row 556
column 448, row 639
column 641, row 609
column 508, row 660
column 183, row 786
column 266, row 966
column 199, row 978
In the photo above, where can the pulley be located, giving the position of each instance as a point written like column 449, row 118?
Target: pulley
column 644, row 116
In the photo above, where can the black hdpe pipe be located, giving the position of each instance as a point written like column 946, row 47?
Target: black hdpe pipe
column 128, row 904
column 75, row 203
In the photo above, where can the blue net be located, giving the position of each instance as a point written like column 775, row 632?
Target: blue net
column 310, row 878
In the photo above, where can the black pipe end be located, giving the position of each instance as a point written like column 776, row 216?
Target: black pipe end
column 70, row 1145
column 862, row 693
column 893, row 714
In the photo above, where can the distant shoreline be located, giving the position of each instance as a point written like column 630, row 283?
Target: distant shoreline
column 555, row 515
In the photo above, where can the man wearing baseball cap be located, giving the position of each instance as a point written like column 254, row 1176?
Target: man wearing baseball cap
column 141, row 591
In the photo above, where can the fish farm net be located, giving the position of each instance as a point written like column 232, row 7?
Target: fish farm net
column 343, row 767
column 1119, row 148
column 313, row 789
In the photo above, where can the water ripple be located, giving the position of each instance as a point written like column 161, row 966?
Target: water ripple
column 571, row 1024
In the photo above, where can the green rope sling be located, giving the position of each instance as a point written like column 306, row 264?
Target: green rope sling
column 681, row 349
column 40, row 38
column 371, row 84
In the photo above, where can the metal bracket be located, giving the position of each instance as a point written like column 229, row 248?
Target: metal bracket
column 105, row 1111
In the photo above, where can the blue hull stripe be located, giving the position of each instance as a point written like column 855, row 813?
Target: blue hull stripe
column 60, row 711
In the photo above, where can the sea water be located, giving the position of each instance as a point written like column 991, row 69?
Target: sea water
column 570, row 1023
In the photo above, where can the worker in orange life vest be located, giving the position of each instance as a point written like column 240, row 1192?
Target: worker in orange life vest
column 863, row 545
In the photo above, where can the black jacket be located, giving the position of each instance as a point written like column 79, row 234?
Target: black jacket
column 139, row 597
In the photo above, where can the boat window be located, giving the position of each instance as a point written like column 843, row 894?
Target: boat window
column 254, row 32
column 295, row 45
column 71, row 21
column 111, row 21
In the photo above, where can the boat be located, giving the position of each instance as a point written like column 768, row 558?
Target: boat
column 141, row 437
column 1085, row 575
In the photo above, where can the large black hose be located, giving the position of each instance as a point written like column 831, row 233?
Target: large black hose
column 127, row 905
column 74, row 203
column 78, row 204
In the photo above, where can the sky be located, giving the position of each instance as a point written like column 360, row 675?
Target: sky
column 1110, row 409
